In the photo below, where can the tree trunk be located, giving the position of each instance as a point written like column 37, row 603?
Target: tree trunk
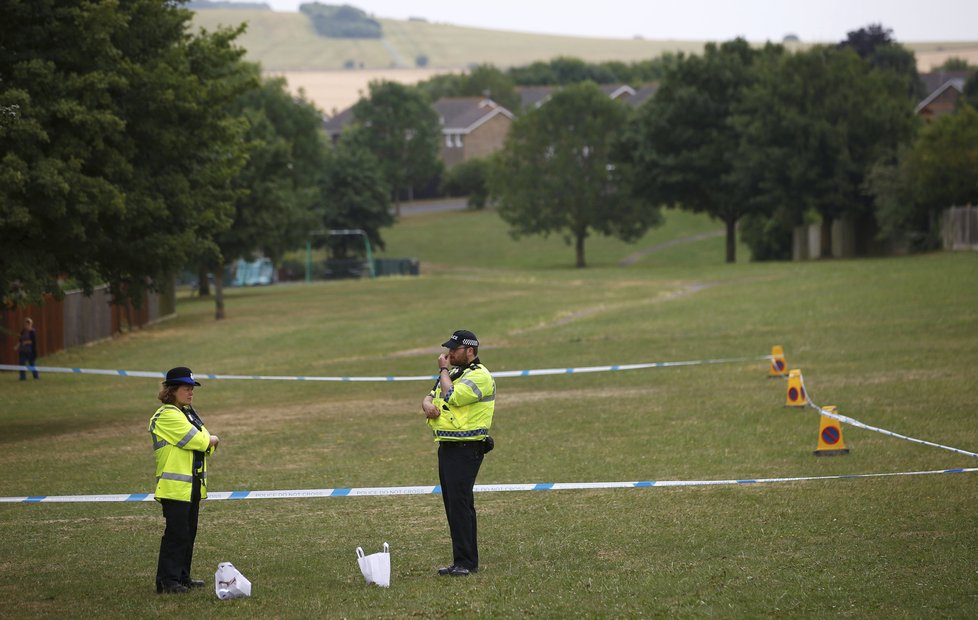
column 203, row 283
column 219, row 292
column 825, row 241
column 731, row 239
column 579, row 249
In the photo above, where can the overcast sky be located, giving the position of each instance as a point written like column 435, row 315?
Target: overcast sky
column 716, row 20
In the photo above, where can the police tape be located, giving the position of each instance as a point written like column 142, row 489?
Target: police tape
column 479, row 488
column 875, row 429
column 538, row 372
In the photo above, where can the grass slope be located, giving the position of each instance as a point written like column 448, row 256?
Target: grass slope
column 284, row 41
column 890, row 342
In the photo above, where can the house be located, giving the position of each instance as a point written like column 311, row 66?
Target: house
column 536, row 96
column 334, row 125
column 944, row 88
column 471, row 127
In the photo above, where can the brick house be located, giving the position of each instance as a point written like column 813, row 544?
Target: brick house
column 471, row 127
column 944, row 88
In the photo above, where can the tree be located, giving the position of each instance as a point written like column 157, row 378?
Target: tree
column 398, row 125
column 684, row 142
column 555, row 172
column 956, row 63
column 876, row 45
column 488, row 81
column 971, row 90
column 352, row 190
column 813, row 126
column 278, row 189
column 116, row 163
column 938, row 171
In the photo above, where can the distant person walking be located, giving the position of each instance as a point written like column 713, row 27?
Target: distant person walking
column 27, row 348
column 182, row 446
column 459, row 412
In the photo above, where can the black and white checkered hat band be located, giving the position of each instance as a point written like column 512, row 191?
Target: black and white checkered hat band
column 466, row 342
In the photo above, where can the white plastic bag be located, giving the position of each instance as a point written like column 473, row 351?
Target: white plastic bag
column 376, row 567
column 230, row 583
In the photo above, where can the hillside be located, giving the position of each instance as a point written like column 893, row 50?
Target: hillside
column 333, row 73
column 287, row 42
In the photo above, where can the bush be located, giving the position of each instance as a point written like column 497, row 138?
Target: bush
column 341, row 22
column 468, row 179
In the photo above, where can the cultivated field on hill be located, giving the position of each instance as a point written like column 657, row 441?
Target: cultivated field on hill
column 335, row 72
column 889, row 341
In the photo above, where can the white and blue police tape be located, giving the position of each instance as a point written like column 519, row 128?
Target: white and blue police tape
column 539, row 372
column 858, row 424
column 479, row 488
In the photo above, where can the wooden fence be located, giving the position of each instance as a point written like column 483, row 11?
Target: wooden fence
column 77, row 320
column 959, row 228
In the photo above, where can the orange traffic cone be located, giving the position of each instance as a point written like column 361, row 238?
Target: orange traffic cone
column 779, row 367
column 830, row 442
column 796, row 392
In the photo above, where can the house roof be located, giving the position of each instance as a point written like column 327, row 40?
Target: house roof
column 955, row 83
column 615, row 91
column 464, row 114
column 534, row 96
column 933, row 81
column 643, row 94
column 334, row 125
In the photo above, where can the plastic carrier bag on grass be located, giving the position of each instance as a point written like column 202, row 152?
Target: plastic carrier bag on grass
column 230, row 583
column 376, row 567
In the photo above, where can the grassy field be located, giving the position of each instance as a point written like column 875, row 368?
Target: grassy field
column 890, row 342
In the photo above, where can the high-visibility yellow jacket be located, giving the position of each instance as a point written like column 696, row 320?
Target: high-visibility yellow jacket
column 466, row 413
column 175, row 440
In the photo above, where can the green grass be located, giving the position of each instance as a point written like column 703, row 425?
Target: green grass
column 889, row 341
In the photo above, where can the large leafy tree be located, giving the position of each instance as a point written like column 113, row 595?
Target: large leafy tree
column 398, row 125
column 875, row 44
column 555, row 173
column 814, row 125
column 938, row 171
column 353, row 195
column 114, row 161
column 278, row 189
column 684, row 142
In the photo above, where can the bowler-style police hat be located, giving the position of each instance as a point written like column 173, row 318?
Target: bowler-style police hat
column 461, row 338
column 180, row 375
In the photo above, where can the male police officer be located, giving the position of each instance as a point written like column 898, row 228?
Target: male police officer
column 459, row 411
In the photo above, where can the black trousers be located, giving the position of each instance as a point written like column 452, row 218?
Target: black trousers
column 177, row 544
column 458, row 465
column 26, row 359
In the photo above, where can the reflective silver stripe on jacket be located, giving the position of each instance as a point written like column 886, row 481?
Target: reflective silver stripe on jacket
column 186, row 438
column 162, row 443
column 178, row 477
column 477, row 391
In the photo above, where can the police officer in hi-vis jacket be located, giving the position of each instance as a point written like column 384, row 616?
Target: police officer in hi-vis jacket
column 459, row 412
column 182, row 446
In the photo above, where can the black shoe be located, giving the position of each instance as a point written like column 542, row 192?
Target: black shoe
column 444, row 570
column 458, row 571
column 193, row 583
column 173, row 588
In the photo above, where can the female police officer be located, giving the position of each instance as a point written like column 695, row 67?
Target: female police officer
column 182, row 445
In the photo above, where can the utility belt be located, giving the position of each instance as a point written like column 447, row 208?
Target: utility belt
column 485, row 445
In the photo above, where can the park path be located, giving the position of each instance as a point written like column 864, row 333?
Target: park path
column 633, row 258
